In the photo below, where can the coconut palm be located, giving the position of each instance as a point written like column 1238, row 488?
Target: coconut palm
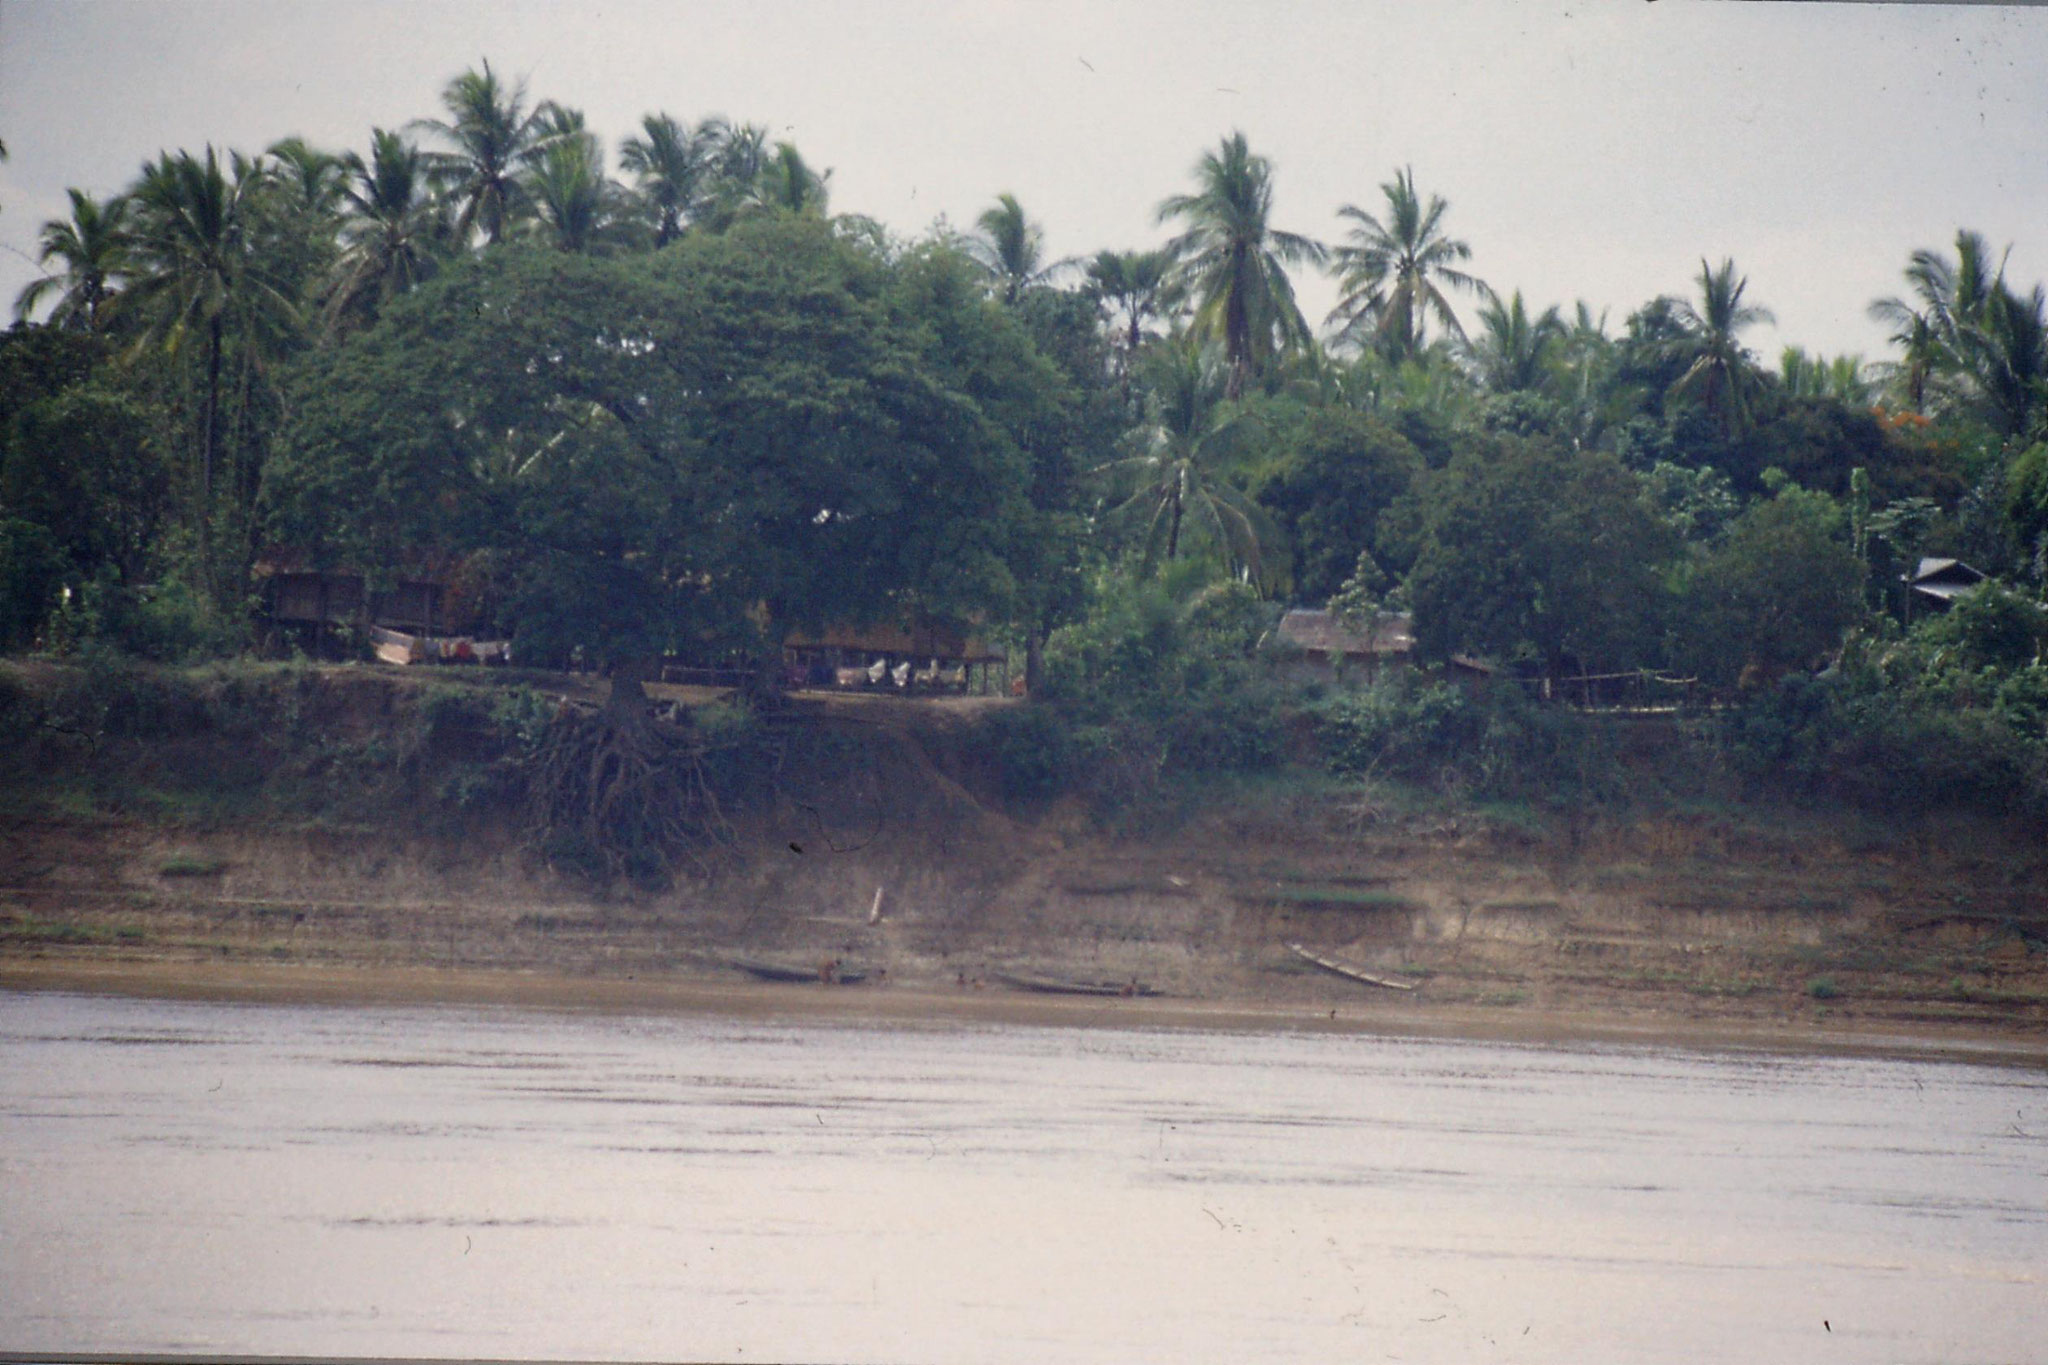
column 91, row 251
column 196, row 275
column 576, row 208
column 786, row 181
column 1233, row 262
column 2010, row 358
column 1011, row 248
column 736, row 155
column 1921, row 353
column 1812, row 376
column 493, row 137
column 312, row 180
column 672, row 166
column 1970, row 339
column 1511, row 351
column 1722, row 373
column 393, row 231
column 1180, row 458
column 1391, row 274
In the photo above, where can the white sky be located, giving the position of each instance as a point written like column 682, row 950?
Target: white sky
column 1588, row 150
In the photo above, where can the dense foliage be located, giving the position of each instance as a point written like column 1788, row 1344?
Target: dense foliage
column 685, row 410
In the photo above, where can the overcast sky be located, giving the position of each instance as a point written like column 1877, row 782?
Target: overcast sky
column 1588, row 150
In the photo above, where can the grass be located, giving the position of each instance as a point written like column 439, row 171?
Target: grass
column 1727, row 990
column 30, row 929
column 1337, row 897
column 192, row 865
column 1823, row 988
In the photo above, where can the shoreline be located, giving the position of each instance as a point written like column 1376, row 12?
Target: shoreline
column 893, row 1005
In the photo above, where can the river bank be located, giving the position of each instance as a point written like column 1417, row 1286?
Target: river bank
column 345, row 830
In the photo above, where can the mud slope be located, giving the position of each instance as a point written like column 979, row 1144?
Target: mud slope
column 1733, row 916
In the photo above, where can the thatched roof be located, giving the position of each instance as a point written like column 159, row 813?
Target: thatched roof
column 1324, row 632
column 924, row 641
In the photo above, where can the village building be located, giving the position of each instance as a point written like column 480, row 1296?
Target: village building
column 924, row 657
column 1937, row 583
column 1318, row 644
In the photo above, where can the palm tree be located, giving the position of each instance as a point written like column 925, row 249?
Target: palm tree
column 1137, row 287
column 1913, row 332
column 493, row 138
column 392, row 232
column 786, row 181
column 1971, row 338
column 195, row 273
column 576, row 207
column 1180, row 458
column 672, row 165
column 92, row 249
column 1723, row 373
column 312, row 179
column 1811, row 376
column 1011, row 248
column 1233, row 262
column 1390, row 273
column 1511, row 352
column 2011, row 357
column 736, row 155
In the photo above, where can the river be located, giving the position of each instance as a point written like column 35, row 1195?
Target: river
column 460, row 1182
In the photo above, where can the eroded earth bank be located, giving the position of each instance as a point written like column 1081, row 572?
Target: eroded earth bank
column 346, row 847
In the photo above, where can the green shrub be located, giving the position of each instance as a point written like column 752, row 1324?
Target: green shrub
column 1034, row 750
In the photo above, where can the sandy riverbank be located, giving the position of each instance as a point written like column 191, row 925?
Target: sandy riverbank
column 930, row 1004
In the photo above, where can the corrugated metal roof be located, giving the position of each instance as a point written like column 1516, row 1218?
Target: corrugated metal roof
column 1951, row 570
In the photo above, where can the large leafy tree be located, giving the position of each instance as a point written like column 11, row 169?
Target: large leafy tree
column 1720, row 371
column 1338, row 473
column 1232, row 261
column 652, row 445
column 91, row 251
column 1772, row 595
column 1392, row 272
column 1526, row 549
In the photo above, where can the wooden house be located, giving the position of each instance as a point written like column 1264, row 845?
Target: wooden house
column 1321, row 644
column 926, row 656
column 1937, row 583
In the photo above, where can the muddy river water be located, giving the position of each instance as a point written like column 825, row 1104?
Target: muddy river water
column 474, row 1182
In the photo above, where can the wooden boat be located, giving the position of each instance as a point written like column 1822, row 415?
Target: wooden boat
column 829, row 972
column 1349, row 969
column 1049, row 985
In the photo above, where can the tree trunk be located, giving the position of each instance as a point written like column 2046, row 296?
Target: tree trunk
column 625, row 707
column 209, row 441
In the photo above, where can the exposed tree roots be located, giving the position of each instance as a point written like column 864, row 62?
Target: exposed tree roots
column 617, row 793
